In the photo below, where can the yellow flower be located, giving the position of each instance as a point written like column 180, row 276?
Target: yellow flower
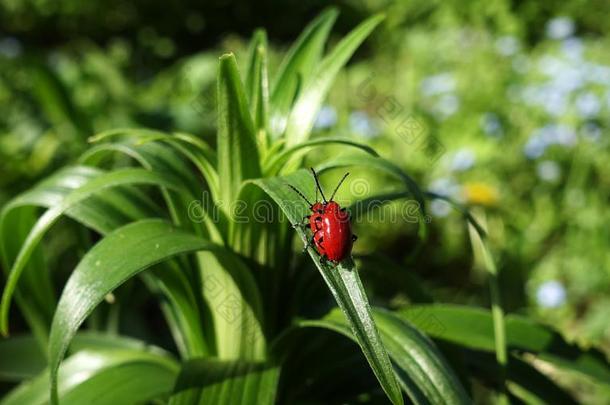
column 477, row 193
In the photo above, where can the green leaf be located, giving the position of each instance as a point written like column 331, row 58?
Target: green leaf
column 20, row 358
column 479, row 245
column 54, row 99
column 257, row 84
column 423, row 372
column 195, row 149
column 212, row 381
column 237, row 151
column 298, row 65
column 473, row 328
column 35, row 296
column 278, row 161
column 524, row 380
column 104, row 268
column 386, row 166
column 383, row 272
column 104, row 377
column 342, row 280
column 235, row 306
column 303, row 114
column 95, row 185
column 103, row 213
column 166, row 160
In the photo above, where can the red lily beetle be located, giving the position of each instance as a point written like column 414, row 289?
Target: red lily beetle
column 330, row 224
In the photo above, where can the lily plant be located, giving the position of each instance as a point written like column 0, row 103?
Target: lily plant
column 209, row 231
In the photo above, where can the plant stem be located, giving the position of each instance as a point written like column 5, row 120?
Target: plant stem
column 496, row 306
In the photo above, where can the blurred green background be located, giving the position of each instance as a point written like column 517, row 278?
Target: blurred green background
column 507, row 106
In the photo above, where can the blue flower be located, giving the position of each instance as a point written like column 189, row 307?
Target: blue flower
column 463, row 159
column 573, row 47
column 588, row 105
column 560, row 28
column 507, row 45
column 447, row 105
column 597, row 74
column 10, row 47
column 552, row 134
column 361, row 124
column 548, row 171
column 445, row 186
column 438, row 84
column 327, row 118
column 551, row 294
column 491, row 125
column 534, row 148
column 440, row 208
column 591, row 131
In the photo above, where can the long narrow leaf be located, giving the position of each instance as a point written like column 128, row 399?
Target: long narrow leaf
column 104, row 377
column 473, row 328
column 278, row 161
column 303, row 114
column 237, row 151
column 297, row 66
column 423, row 373
column 109, row 180
column 342, row 280
column 104, row 268
column 212, row 381
column 257, row 85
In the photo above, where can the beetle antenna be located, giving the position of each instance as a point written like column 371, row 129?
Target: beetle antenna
column 339, row 185
column 296, row 190
column 315, row 176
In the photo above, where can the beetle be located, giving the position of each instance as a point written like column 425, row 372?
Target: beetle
column 329, row 223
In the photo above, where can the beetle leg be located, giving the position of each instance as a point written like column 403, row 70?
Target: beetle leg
column 303, row 223
column 308, row 244
column 323, row 260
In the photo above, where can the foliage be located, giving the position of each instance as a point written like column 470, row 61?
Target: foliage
column 199, row 226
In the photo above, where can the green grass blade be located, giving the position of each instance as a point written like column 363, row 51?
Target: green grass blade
column 342, row 280
column 104, row 268
column 113, row 179
column 382, row 165
column 164, row 159
column 20, row 358
column 531, row 386
column 237, row 150
column 235, row 305
column 390, row 168
column 303, row 113
column 297, row 66
column 103, row 377
column 480, row 248
column 257, row 85
column 278, row 161
column 473, row 328
column 423, row 372
column 195, row 149
column 213, row 382
column 103, row 213
column 35, row 296
column 54, row 99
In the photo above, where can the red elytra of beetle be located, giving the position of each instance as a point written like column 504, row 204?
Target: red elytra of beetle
column 330, row 224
